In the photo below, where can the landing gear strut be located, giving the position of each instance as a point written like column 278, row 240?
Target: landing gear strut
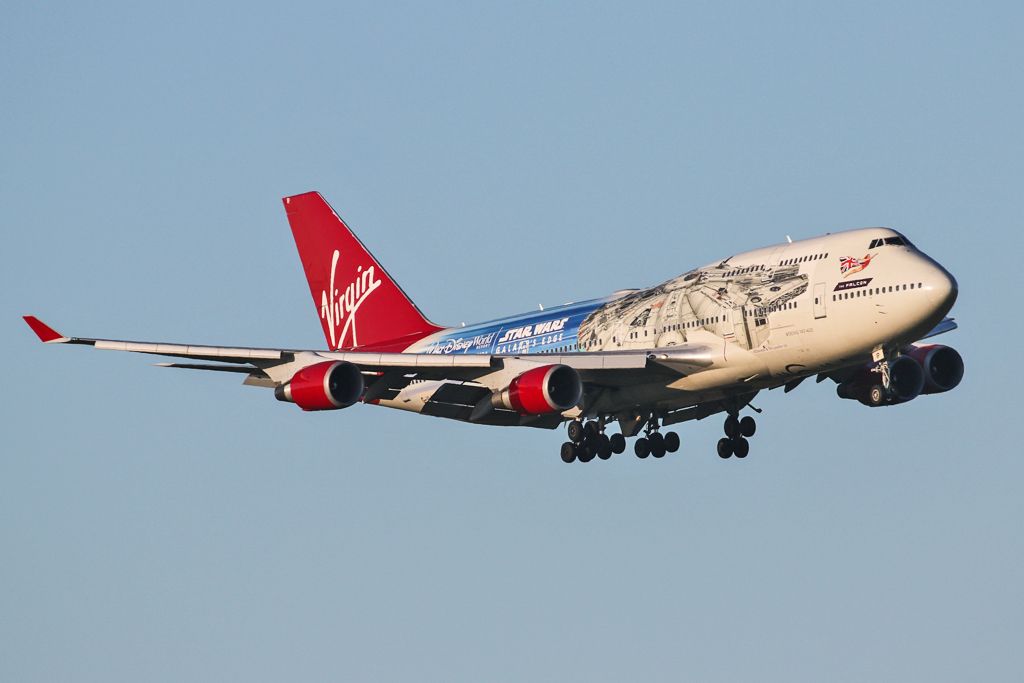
column 880, row 394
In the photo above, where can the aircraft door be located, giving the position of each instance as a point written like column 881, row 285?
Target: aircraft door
column 819, row 300
column 740, row 329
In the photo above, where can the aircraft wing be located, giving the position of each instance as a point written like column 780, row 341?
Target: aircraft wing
column 947, row 325
column 270, row 367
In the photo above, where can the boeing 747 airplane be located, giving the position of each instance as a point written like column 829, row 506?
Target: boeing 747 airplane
column 851, row 307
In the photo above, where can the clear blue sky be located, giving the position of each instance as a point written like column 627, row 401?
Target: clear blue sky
column 168, row 525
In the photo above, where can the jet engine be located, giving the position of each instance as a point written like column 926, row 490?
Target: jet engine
column 943, row 367
column 906, row 381
column 543, row 390
column 324, row 386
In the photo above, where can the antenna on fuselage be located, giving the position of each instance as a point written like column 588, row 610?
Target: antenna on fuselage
column 789, row 239
column 541, row 306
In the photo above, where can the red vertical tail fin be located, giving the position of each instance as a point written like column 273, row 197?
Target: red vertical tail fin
column 358, row 303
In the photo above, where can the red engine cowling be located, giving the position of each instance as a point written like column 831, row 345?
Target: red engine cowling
column 543, row 390
column 906, row 381
column 324, row 386
column 943, row 367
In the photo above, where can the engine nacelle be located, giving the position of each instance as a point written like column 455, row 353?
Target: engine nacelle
column 331, row 385
column 906, row 381
column 943, row 367
column 540, row 391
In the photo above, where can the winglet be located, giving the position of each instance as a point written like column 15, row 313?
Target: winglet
column 45, row 333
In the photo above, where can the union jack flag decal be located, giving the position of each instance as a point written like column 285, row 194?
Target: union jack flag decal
column 848, row 265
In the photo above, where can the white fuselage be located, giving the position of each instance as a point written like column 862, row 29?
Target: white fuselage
column 763, row 318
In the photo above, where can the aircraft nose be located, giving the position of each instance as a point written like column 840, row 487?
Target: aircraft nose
column 942, row 289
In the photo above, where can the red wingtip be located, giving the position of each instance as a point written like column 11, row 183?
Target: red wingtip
column 42, row 330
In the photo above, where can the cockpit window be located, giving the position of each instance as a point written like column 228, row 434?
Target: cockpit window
column 890, row 242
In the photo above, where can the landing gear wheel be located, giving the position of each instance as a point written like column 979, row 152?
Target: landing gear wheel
column 604, row 446
column 657, row 442
column 618, row 443
column 740, row 447
column 575, row 431
column 671, row 442
column 724, row 448
column 591, row 430
column 748, row 426
column 586, row 452
column 876, row 395
column 568, row 452
column 642, row 448
column 732, row 426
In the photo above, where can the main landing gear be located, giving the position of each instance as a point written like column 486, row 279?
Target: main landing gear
column 737, row 431
column 588, row 440
column 654, row 442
